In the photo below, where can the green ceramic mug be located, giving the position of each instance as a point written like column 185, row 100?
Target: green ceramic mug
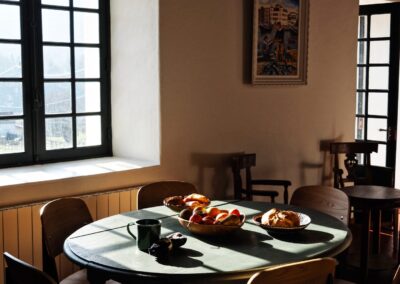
column 148, row 232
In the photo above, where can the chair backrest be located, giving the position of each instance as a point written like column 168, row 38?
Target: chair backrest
column 325, row 199
column 153, row 194
column 316, row 271
column 20, row 272
column 351, row 149
column 242, row 162
column 60, row 218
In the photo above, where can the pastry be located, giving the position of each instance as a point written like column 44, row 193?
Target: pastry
column 280, row 218
column 196, row 197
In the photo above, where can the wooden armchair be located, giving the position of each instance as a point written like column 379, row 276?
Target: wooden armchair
column 351, row 163
column 244, row 162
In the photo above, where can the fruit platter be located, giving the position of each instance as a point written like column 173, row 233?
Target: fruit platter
column 282, row 221
column 211, row 221
column 178, row 203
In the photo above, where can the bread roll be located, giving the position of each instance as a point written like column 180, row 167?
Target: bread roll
column 278, row 218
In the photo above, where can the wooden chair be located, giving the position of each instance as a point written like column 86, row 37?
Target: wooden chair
column 20, row 272
column 60, row 218
column 328, row 200
column 316, row 271
column 325, row 199
column 154, row 193
column 244, row 162
column 351, row 163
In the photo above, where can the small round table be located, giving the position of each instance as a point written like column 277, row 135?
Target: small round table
column 371, row 198
column 106, row 248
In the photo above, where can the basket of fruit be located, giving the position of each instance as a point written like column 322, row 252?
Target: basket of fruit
column 178, row 203
column 211, row 221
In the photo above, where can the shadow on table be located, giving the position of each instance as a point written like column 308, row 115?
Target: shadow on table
column 303, row 237
column 182, row 257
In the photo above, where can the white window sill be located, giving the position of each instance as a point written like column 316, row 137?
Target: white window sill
column 66, row 170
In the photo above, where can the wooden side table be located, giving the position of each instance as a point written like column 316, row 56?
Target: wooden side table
column 371, row 198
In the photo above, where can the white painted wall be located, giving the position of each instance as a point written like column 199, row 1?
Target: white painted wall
column 207, row 110
column 135, row 79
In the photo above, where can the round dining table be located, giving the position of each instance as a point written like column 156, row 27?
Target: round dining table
column 106, row 249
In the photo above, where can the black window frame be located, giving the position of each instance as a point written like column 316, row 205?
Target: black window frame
column 33, row 86
column 393, row 79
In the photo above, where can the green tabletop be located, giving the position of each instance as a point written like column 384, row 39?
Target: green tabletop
column 106, row 245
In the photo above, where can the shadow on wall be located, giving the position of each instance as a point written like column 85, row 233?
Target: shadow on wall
column 218, row 168
column 322, row 171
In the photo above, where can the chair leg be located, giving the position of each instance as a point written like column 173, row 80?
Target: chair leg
column 396, row 230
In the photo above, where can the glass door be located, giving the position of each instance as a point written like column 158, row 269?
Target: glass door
column 378, row 79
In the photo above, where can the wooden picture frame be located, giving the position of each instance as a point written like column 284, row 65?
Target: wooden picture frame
column 280, row 31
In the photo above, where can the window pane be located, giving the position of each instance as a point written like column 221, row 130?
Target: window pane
column 57, row 98
column 10, row 98
column 378, row 103
column 11, row 136
column 362, row 26
column 379, row 51
column 379, row 78
column 379, row 159
column 93, row 4
column 10, row 60
column 56, row 2
column 87, row 62
column 88, row 130
column 377, row 129
column 380, row 25
column 58, row 133
column 361, row 77
column 87, row 97
column 362, row 52
column 56, row 62
column 9, row 22
column 359, row 128
column 55, row 25
column 86, row 27
column 360, row 103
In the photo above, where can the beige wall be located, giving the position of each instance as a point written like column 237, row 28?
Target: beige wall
column 207, row 112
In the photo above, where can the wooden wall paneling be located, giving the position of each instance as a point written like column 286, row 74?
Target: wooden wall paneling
column 125, row 201
column 113, row 203
column 102, row 206
column 134, row 199
column 37, row 236
column 10, row 231
column 91, row 202
column 25, row 238
column 1, row 249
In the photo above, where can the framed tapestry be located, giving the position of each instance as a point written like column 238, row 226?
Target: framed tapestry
column 279, row 54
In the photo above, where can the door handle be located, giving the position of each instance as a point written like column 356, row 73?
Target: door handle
column 382, row 130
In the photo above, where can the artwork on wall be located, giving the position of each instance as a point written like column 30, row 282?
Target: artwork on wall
column 280, row 42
